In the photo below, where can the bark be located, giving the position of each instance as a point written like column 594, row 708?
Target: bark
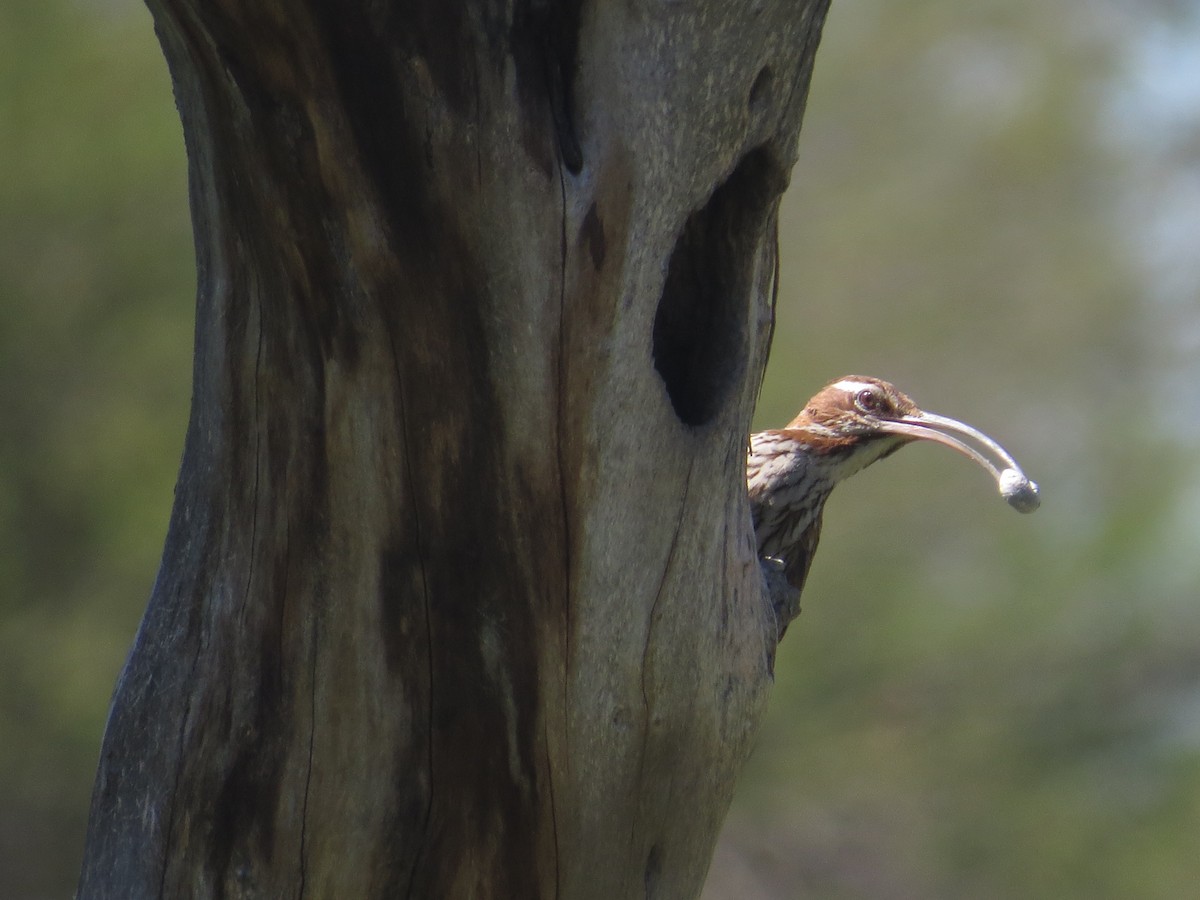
column 459, row 596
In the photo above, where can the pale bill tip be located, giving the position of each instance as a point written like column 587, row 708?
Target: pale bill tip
column 1019, row 491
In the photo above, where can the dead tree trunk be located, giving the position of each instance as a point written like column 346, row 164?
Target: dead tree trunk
column 459, row 597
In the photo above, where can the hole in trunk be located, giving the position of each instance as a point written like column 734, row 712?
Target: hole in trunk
column 700, row 339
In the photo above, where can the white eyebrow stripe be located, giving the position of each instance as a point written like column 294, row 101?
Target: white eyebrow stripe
column 854, row 386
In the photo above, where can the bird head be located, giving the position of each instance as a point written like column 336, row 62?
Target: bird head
column 857, row 420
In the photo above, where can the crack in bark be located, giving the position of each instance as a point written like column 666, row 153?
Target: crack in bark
column 201, row 643
column 560, row 415
column 179, row 765
column 410, row 477
column 312, row 731
column 478, row 129
column 650, row 630
column 559, row 424
column 312, row 726
column 257, row 465
column 553, row 816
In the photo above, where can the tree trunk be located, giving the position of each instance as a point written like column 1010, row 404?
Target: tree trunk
column 459, row 596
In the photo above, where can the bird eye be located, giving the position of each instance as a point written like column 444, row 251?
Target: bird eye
column 870, row 401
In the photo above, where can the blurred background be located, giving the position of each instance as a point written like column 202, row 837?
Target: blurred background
column 997, row 207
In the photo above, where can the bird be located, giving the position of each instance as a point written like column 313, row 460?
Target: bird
column 848, row 425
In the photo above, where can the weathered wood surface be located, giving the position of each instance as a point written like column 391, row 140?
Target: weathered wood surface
column 458, row 597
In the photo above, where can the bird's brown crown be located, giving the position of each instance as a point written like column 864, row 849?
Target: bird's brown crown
column 846, row 411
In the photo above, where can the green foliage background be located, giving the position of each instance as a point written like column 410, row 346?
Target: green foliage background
column 993, row 208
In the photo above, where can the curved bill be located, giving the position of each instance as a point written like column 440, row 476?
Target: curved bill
column 1014, row 485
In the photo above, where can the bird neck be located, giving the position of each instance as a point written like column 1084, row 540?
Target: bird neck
column 831, row 456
